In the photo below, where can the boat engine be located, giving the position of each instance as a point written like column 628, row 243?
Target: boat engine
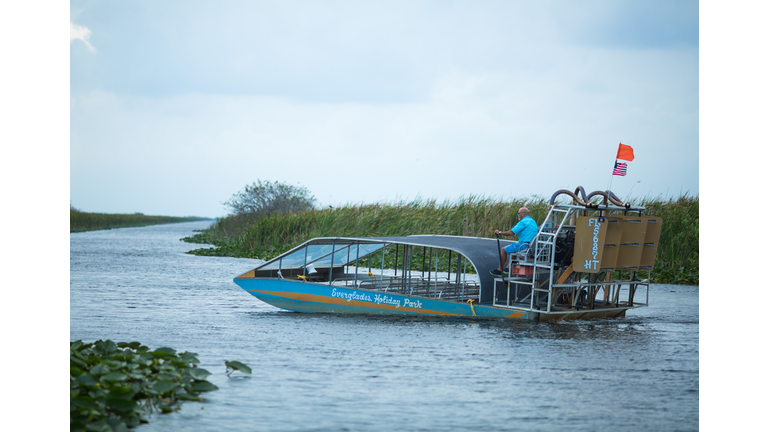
column 564, row 247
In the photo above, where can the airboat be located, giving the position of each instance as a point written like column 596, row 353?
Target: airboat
column 586, row 261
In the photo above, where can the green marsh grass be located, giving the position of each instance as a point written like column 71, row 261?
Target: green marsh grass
column 80, row 221
column 477, row 216
column 677, row 258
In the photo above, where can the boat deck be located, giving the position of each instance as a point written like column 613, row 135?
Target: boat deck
column 516, row 292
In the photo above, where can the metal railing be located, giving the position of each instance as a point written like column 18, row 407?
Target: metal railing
column 541, row 282
column 435, row 288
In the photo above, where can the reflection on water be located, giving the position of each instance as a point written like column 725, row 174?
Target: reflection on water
column 367, row 373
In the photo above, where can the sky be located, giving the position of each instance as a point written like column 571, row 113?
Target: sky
column 174, row 106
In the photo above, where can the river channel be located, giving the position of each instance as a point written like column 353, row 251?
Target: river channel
column 359, row 373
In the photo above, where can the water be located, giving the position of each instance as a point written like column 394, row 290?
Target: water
column 358, row 373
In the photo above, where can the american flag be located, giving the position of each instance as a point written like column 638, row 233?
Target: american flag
column 620, row 169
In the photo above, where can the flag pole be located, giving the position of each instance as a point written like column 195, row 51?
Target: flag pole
column 611, row 182
column 614, row 167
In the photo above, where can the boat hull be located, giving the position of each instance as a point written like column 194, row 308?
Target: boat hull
column 321, row 298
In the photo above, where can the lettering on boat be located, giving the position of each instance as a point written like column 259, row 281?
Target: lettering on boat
column 350, row 295
column 377, row 298
column 592, row 264
column 385, row 299
column 412, row 304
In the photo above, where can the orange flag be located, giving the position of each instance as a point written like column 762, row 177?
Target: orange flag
column 625, row 153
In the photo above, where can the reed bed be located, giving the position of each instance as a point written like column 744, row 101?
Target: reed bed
column 80, row 221
column 477, row 216
column 677, row 258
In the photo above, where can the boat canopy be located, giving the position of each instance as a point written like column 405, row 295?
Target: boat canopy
column 482, row 253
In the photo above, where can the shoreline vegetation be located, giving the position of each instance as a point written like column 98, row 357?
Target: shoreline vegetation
column 80, row 221
column 251, row 236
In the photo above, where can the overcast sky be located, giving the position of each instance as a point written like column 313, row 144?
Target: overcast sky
column 176, row 105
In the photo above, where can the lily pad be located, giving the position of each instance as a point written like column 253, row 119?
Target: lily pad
column 100, row 369
column 132, row 345
column 234, row 365
column 190, row 357
column 202, row 386
column 197, row 373
column 122, row 392
column 120, row 405
column 163, row 352
column 115, row 376
column 183, row 395
column 163, row 387
column 87, row 380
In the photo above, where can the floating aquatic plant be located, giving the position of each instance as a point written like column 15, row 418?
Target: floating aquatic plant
column 114, row 386
column 233, row 365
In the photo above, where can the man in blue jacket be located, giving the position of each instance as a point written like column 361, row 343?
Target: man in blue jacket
column 525, row 230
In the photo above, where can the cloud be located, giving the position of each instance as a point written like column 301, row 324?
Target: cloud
column 651, row 24
column 81, row 33
column 206, row 99
column 200, row 149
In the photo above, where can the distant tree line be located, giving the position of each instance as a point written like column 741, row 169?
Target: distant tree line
column 80, row 221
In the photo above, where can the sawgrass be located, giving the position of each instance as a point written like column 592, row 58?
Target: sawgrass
column 80, row 221
column 677, row 258
column 477, row 216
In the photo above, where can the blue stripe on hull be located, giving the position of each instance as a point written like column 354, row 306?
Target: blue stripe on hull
column 316, row 307
column 309, row 297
